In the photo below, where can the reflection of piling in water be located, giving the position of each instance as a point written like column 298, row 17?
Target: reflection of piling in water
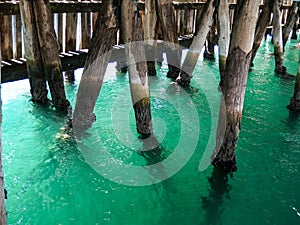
column 212, row 204
column 154, row 153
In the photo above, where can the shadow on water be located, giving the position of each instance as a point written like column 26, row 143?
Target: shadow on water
column 154, row 153
column 212, row 204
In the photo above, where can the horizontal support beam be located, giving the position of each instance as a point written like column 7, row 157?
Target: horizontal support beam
column 12, row 8
column 13, row 70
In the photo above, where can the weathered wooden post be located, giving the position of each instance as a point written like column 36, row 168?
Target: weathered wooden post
column 166, row 16
column 18, row 36
column 106, row 27
column 277, row 38
column 191, row 59
column 291, row 20
column 294, row 105
column 149, row 30
column 71, row 30
column 33, row 55
column 6, row 37
column 237, row 67
column 295, row 28
column 262, row 23
column 42, row 55
column 224, row 36
column 209, row 52
column 86, row 25
column 2, row 194
column 60, row 31
column 137, row 66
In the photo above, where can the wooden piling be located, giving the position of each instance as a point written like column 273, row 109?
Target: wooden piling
column 235, row 81
column 34, row 61
column 291, row 20
column 106, row 27
column 86, row 27
column 277, row 38
column 71, row 30
column 209, row 52
column 136, row 60
column 149, row 31
column 60, row 31
column 224, row 36
column 191, row 59
column 262, row 23
column 166, row 16
column 294, row 105
column 18, row 37
column 6, row 37
column 42, row 54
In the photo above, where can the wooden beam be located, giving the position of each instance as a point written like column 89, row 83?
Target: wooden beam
column 13, row 70
column 12, row 8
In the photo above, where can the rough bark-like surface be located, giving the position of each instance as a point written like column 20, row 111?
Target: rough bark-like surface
column 136, row 60
column 42, row 53
column 191, row 59
column 149, row 31
column 234, row 92
column 71, row 30
column 105, row 29
column 18, row 53
column 2, row 193
column 277, row 38
column 50, row 53
column 6, row 37
column 166, row 16
column 294, row 105
column 262, row 23
column 34, row 61
column 224, row 36
column 60, row 31
column 294, row 32
column 291, row 20
column 86, row 25
column 234, row 86
column 71, row 25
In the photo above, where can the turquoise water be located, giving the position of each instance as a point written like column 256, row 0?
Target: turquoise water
column 50, row 182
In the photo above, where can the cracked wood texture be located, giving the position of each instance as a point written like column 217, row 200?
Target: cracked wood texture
column 137, row 66
column 233, row 90
column 103, row 39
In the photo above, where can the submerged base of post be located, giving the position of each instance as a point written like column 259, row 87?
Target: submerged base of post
column 280, row 70
column 151, row 68
column 70, row 75
column 294, row 105
column 225, row 165
column 208, row 55
column 173, row 72
column 184, row 80
column 38, row 90
column 143, row 117
column 82, row 121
